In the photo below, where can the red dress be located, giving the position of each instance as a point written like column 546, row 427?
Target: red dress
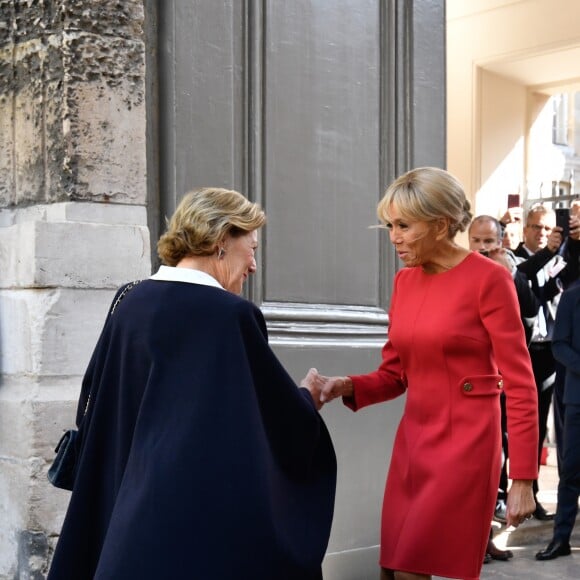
column 449, row 335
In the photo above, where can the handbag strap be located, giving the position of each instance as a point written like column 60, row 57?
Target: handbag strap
column 122, row 295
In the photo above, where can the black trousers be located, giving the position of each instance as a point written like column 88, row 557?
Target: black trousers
column 569, row 484
column 558, row 409
column 544, row 368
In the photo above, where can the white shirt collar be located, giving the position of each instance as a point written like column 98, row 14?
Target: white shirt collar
column 171, row 274
column 528, row 250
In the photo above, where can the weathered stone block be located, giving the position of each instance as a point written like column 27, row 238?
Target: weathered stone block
column 58, row 177
column 29, row 122
column 81, row 255
column 17, row 244
column 12, row 215
column 49, row 503
column 72, row 126
column 35, row 19
column 50, row 332
column 104, row 130
column 21, row 326
column 70, row 331
column 74, row 255
column 122, row 17
column 28, row 527
column 6, row 23
column 101, row 213
column 7, row 191
column 73, row 94
column 33, row 548
column 108, row 137
column 15, row 424
column 32, row 418
column 54, row 408
column 14, row 495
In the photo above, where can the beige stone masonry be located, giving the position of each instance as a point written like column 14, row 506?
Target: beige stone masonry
column 73, row 255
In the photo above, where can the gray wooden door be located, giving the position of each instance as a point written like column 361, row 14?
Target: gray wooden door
column 311, row 107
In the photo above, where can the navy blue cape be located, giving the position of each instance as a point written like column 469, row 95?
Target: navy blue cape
column 200, row 457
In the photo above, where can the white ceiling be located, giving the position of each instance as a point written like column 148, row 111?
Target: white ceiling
column 542, row 67
column 550, row 68
column 467, row 8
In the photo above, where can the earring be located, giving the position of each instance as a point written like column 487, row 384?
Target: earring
column 221, row 253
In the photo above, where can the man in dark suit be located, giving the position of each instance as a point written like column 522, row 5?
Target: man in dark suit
column 566, row 349
column 570, row 251
column 548, row 273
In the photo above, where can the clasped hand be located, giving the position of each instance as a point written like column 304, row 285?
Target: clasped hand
column 520, row 502
column 324, row 389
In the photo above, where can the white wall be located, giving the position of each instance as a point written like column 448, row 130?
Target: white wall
column 529, row 43
column 499, row 143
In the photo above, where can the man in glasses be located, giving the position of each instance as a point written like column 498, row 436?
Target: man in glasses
column 548, row 275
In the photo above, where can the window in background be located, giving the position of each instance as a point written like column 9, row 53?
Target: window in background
column 560, row 119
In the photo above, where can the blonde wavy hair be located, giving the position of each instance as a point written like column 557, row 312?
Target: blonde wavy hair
column 202, row 220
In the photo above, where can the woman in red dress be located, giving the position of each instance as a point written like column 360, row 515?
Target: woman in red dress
column 455, row 342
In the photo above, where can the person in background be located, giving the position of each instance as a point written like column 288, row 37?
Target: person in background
column 511, row 227
column 199, row 456
column 454, row 322
column 548, row 274
column 484, row 235
column 566, row 349
column 512, row 235
column 570, row 252
column 570, row 249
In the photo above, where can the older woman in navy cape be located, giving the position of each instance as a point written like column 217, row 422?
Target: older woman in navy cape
column 200, row 458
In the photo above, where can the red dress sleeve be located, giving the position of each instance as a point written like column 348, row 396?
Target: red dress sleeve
column 500, row 315
column 384, row 384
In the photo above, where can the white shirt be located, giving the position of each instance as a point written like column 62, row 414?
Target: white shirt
column 174, row 274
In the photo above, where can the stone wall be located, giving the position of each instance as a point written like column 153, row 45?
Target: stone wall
column 73, row 227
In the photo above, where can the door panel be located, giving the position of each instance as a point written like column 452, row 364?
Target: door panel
column 201, row 86
column 321, row 165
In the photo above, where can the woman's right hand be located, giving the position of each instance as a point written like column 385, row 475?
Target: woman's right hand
column 334, row 387
column 325, row 389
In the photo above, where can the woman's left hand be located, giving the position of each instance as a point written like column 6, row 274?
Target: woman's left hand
column 314, row 382
column 520, row 502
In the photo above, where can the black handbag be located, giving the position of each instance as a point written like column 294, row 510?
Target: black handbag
column 62, row 471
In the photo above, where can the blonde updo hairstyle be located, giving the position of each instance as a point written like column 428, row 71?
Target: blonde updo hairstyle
column 428, row 194
column 202, row 220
